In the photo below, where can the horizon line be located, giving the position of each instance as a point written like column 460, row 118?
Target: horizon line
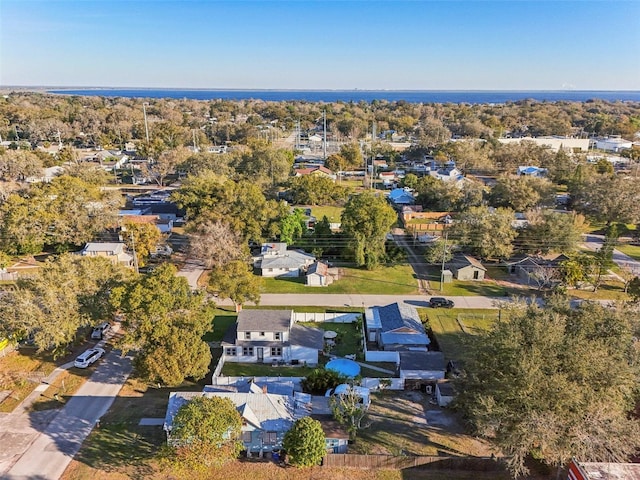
column 94, row 87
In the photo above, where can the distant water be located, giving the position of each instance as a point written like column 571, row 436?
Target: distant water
column 327, row 96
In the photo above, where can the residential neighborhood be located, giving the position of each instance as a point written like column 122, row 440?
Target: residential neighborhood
column 398, row 301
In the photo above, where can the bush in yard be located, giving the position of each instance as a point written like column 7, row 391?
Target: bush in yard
column 305, row 443
column 321, row 379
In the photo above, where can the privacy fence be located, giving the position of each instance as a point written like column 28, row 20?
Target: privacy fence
column 484, row 464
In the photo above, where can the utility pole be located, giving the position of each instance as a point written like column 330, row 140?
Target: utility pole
column 444, row 255
column 135, row 257
column 324, row 135
column 146, row 125
column 373, row 166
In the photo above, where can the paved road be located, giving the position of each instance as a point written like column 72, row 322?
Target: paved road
column 594, row 242
column 356, row 300
column 191, row 270
column 54, row 444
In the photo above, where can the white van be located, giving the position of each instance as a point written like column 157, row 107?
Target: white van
column 89, row 357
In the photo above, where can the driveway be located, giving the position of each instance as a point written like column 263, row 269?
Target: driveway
column 45, row 442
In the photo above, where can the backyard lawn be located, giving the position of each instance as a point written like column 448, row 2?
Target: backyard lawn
column 220, row 323
column 332, row 213
column 395, row 280
column 454, row 328
column 235, row 369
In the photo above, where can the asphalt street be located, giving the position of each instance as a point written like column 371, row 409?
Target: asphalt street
column 55, row 444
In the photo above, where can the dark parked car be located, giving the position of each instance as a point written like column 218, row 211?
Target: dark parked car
column 437, row 302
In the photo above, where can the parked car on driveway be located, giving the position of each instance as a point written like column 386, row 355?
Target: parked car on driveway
column 438, row 302
column 99, row 331
column 88, row 357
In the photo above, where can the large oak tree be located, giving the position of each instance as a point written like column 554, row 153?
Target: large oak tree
column 555, row 383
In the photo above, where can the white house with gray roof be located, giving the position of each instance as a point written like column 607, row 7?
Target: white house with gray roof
column 271, row 336
column 276, row 261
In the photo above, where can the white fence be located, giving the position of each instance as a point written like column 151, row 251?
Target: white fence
column 381, row 356
column 218, row 369
column 326, row 317
column 224, row 381
column 8, row 276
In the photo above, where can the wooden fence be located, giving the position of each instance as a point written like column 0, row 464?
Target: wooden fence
column 402, row 462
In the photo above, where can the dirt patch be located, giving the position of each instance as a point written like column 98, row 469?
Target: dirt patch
column 406, row 423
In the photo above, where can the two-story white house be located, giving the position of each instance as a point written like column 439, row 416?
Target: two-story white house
column 271, row 336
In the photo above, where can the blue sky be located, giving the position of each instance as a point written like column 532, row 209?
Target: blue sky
column 420, row 45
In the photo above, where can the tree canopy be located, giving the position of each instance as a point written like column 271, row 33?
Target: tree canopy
column 366, row 220
column 206, row 432
column 164, row 322
column 555, row 383
column 64, row 213
column 484, row 232
column 305, row 443
column 236, row 281
column 64, row 295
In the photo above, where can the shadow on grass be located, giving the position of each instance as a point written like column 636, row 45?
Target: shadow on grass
column 115, row 446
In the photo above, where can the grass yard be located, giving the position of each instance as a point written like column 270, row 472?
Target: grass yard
column 62, row 389
column 459, row 288
column 404, row 423
column 395, row 280
column 220, row 323
column 235, row 369
column 20, row 372
column 609, row 290
column 631, row 250
column 332, row 213
column 120, row 445
column 348, row 339
column 454, row 328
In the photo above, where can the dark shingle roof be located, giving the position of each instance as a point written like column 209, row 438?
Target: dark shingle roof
column 264, row 320
column 307, row 337
column 422, row 361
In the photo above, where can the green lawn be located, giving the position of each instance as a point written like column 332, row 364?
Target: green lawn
column 348, row 339
column 221, row 321
column 396, row 280
column 234, row 369
column 332, row 213
column 632, row 250
column 609, row 290
column 454, row 328
column 487, row 288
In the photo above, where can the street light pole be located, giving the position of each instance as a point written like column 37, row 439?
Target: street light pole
column 444, row 255
column 146, row 126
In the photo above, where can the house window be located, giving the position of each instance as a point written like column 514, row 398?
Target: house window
column 246, row 437
column 277, row 336
column 247, row 351
column 247, row 335
column 270, row 438
column 230, row 351
column 262, row 334
column 276, row 351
